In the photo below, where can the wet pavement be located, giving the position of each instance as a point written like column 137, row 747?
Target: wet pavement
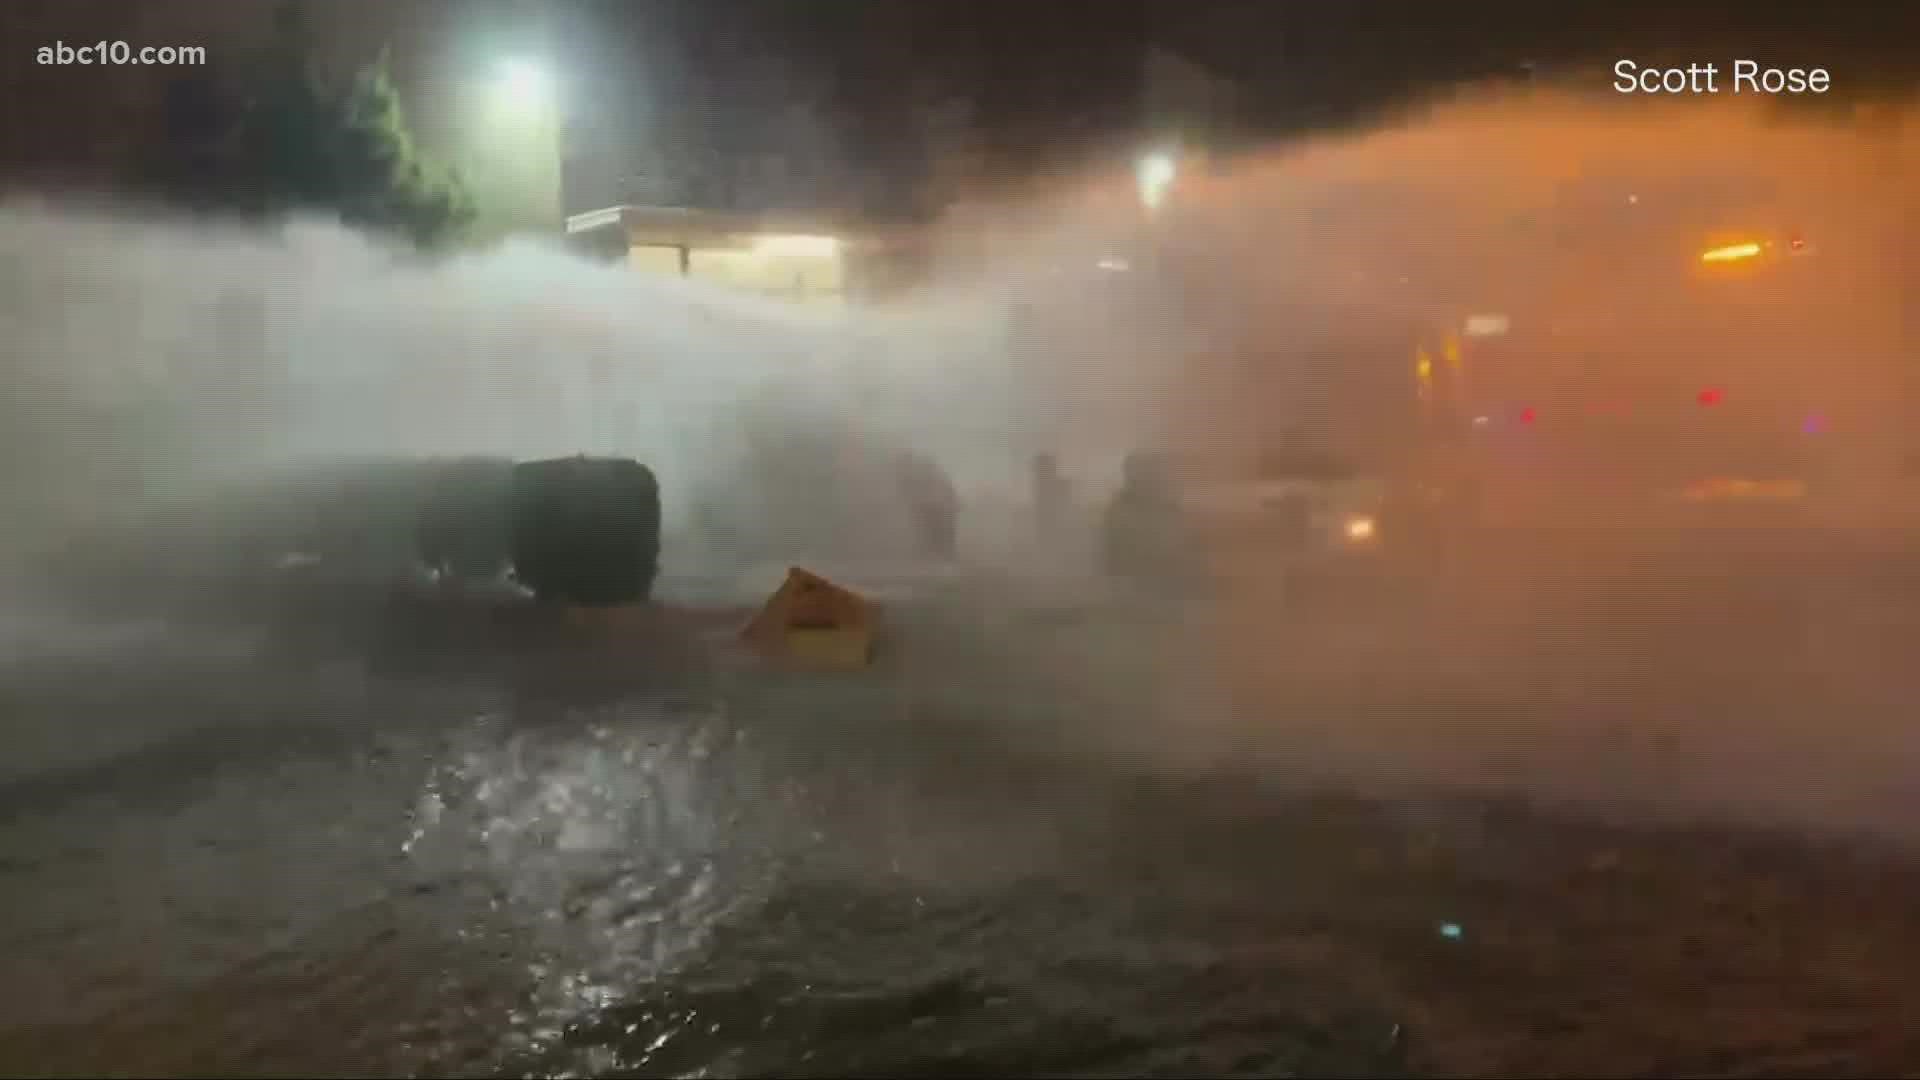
column 1038, row 842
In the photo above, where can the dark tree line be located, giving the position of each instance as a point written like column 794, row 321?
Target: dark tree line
column 272, row 137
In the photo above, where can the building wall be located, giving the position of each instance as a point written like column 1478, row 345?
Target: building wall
column 802, row 279
column 656, row 258
column 764, row 258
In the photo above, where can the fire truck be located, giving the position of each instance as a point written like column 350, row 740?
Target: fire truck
column 1691, row 397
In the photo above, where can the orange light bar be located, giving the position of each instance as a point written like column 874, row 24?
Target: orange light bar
column 1731, row 253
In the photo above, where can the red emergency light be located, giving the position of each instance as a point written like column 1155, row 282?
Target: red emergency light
column 1710, row 397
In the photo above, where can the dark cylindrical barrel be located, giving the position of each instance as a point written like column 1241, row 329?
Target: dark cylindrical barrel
column 586, row 530
column 463, row 523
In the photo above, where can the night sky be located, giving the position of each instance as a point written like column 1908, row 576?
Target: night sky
column 1046, row 79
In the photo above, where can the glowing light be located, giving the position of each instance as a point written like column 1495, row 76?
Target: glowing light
column 818, row 247
column 1711, row 396
column 1482, row 421
column 1360, row 529
column 1736, row 489
column 1114, row 265
column 1484, row 326
column 1157, row 169
column 1156, row 174
column 1731, row 253
column 1528, row 415
column 524, row 84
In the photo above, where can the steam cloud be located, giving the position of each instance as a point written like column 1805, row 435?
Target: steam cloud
column 1278, row 292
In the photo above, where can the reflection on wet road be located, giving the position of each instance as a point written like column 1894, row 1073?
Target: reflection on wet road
column 996, row 856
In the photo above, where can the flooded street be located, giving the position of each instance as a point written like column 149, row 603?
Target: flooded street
column 1591, row 753
column 965, row 863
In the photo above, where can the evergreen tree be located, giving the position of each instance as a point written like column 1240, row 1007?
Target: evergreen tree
column 379, row 178
column 279, row 139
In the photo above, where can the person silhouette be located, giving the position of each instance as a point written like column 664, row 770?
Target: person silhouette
column 1050, row 496
column 933, row 505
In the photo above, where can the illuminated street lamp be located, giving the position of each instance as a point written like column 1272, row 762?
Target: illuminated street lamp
column 513, row 151
column 525, row 84
column 1156, row 174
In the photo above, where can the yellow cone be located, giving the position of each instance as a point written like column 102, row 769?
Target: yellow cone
column 812, row 622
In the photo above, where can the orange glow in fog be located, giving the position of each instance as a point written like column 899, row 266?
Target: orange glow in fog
column 1731, row 253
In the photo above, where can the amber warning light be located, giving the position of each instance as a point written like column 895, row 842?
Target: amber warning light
column 1730, row 253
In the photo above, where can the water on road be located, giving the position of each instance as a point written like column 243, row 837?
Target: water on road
column 985, row 858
